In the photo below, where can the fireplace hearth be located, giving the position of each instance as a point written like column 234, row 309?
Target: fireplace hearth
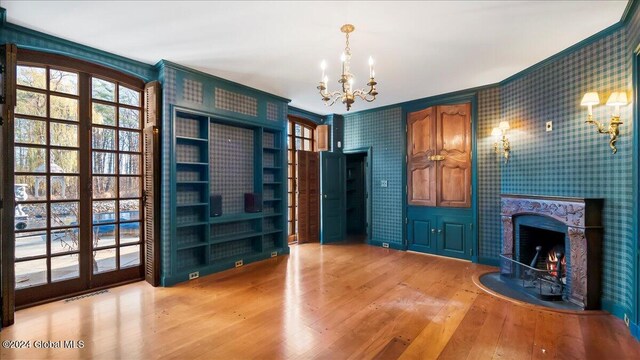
column 551, row 247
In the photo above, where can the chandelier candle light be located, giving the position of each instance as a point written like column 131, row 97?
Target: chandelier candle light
column 348, row 94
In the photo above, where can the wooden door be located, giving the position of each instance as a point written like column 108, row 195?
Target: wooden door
column 453, row 172
column 421, row 144
column 308, row 197
column 8, row 61
column 332, row 204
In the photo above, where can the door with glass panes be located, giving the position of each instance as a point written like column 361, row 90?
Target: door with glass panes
column 78, row 177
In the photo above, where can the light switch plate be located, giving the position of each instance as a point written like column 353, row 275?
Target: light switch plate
column 549, row 126
column 384, row 183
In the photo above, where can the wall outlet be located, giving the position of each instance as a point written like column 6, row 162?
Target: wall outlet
column 384, row 183
column 385, row 245
column 239, row 263
column 626, row 320
column 549, row 126
column 194, row 275
column 274, row 253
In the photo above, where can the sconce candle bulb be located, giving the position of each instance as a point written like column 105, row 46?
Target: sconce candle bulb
column 616, row 99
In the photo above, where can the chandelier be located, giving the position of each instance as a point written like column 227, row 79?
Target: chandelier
column 347, row 95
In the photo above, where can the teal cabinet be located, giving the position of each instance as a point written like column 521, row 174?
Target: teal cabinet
column 454, row 236
column 446, row 235
column 422, row 235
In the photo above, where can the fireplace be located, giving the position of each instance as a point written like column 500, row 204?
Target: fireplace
column 554, row 244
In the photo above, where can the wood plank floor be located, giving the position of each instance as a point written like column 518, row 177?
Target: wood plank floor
column 348, row 301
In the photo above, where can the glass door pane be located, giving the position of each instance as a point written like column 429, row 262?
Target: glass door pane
column 47, row 168
column 116, row 165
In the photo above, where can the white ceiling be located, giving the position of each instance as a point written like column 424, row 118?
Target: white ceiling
column 421, row 48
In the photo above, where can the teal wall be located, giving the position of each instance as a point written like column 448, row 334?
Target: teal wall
column 383, row 131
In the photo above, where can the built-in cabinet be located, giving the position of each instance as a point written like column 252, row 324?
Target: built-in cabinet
column 439, row 166
column 226, row 158
column 439, row 156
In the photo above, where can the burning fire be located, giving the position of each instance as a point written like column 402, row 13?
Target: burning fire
column 552, row 264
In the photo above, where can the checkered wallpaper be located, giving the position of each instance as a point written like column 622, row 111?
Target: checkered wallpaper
column 192, row 91
column 488, row 174
column 383, row 131
column 231, row 165
column 572, row 160
column 232, row 101
column 272, row 111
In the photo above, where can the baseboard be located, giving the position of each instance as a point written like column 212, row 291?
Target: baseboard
column 484, row 260
column 635, row 330
column 392, row 245
column 614, row 308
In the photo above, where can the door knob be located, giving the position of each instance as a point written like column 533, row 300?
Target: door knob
column 433, row 231
column 325, row 196
column 439, row 231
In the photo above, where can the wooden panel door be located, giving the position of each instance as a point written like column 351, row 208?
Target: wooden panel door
column 308, row 197
column 421, row 144
column 453, row 173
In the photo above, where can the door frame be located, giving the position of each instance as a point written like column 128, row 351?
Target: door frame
column 447, row 99
column 369, row 177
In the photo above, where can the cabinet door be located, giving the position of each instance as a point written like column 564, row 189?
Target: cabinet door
column 332, row 196
column 421, row 143
column 453, row 173
column 454, row 234
column 422, row 234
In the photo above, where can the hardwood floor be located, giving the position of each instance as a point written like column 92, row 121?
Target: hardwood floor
column 332, row 302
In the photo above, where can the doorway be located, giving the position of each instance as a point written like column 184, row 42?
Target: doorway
column 78, row 178
column 358, row 195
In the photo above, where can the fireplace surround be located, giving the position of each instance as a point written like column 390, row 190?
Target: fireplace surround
column 581, row 220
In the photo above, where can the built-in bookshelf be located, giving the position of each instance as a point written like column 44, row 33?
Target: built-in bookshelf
column 229, row 158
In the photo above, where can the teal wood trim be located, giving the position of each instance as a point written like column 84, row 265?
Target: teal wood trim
column 484, row 260
column 26, row 38
column 628, row 12
column 232, row 84
column 635, row 330
column 3, row 16
column 614, row 308
column 316, row 118
column 392, row 245
column 405, row 190
column 636, row 187
column 475, row 191
column 224, row 264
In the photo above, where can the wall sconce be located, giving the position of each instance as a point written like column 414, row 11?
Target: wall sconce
column 616, row 99
column 500, row 135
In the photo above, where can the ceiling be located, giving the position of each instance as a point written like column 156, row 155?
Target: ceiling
column 420, row 48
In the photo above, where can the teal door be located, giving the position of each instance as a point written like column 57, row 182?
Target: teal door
column 332, row 197
column 454, row 234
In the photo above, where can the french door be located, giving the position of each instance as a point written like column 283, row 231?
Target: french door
column 78, row 177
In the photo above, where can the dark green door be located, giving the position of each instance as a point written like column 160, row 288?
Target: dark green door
column 332, row 197
column 454, row 234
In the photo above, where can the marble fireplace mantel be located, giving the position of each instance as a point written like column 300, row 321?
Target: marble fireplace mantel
column 583, row 218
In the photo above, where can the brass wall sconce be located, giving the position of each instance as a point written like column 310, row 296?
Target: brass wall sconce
column 616, row 99
column 500, row 135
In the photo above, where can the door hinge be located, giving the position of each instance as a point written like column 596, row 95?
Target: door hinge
column 470, row 252
column 406, row 221
column 2, row 99
column 1, row 204
column 1, row 121
column 2, row 67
